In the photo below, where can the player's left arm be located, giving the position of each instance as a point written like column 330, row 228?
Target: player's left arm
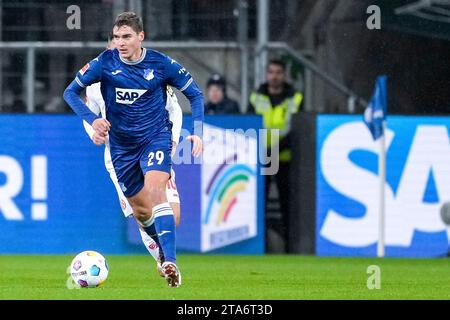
column 181, row 79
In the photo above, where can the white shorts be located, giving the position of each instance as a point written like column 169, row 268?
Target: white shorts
column 171, row 188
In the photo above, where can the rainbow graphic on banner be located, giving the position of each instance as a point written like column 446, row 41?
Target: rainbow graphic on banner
column 226, row 183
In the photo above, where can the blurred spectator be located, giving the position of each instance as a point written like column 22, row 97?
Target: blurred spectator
column 276, row 101
column 12, row 102
column 217, row 100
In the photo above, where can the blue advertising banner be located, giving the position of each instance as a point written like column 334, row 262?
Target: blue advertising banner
column 418, row 184
column 56, row 195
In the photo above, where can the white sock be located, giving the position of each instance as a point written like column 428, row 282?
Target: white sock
column 150, row 244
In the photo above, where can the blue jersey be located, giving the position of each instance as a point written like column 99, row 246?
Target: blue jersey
column 135, row 94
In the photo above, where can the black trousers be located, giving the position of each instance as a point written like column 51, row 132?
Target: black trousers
column 281, row 179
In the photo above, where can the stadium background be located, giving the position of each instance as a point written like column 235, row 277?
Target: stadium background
column 55, row 196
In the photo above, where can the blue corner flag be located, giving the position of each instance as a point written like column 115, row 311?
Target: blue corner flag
column 375, row 112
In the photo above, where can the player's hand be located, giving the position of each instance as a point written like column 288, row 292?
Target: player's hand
column 197, row 142
column 101, row 126
column 98, row 139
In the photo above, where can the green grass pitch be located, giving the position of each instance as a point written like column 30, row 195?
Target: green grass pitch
column 222, row 277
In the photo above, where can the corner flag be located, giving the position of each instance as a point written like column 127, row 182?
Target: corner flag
column 375, row 112
column 375, row 119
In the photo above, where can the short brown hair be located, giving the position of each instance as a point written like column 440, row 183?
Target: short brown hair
column 277, row 62
column 131, row 20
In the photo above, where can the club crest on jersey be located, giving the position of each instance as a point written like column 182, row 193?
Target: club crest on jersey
column 83, row 70
column 148, row 74
column 128, row 96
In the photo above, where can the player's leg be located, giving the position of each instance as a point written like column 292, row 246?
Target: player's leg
column 153, row 248
column 127, row 167
column 173, row 197
column 155, row 184
column 150, row 244
column 156, row 166
column 142, row 204
column 174, row 200
column 161, row 219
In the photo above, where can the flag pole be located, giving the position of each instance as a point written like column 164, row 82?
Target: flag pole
column 382, row 180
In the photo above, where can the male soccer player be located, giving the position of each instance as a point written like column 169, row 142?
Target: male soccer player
column 133, row 83
column 96, row 104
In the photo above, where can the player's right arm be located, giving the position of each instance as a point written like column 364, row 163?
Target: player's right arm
column 88, row 75
column 95, row 102
column 92, row 104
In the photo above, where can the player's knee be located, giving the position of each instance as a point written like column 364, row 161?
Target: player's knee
column 142, row 214
column 156, row 193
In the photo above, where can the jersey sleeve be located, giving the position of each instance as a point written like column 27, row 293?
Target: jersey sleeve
column 89, row 74
column 178, row 77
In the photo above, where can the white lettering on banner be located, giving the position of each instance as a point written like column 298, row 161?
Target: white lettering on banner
column 39, row 187
column 430, row 151
column 405, row 212
column 13, row 186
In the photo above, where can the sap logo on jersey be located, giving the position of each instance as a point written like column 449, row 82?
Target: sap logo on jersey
column 418, row 183
column 128, row 96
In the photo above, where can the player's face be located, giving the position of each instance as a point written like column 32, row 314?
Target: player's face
column 275, row 75
column 215, row 94
column 128, row 42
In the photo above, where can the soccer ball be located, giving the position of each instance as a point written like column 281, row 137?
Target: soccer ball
column 89, row 269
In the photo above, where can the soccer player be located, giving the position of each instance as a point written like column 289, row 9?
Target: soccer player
column 133, row 83
column 96, row 104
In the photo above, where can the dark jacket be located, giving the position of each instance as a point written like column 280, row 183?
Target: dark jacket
column 226, row 106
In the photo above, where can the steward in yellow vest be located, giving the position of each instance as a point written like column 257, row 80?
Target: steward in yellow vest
column 276, row 101
column 277, row 110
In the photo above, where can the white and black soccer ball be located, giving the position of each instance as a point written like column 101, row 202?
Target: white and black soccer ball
column 89, row 269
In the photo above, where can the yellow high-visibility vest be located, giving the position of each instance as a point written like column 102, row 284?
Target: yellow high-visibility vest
column 277, row 117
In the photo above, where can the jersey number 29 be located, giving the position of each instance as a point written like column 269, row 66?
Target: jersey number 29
column 159, row 155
